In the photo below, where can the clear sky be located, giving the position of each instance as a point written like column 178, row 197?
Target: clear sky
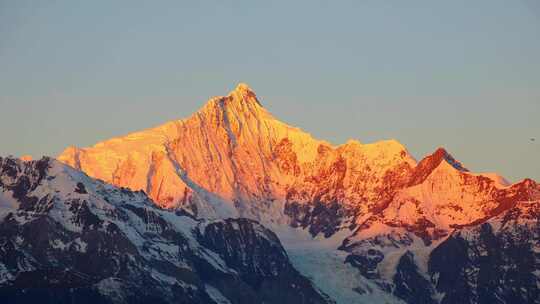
column 460, row 74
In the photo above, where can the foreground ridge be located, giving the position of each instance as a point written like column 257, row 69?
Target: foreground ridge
column 67, row 238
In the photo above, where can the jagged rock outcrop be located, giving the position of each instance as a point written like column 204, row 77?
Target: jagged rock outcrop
column 494, row 262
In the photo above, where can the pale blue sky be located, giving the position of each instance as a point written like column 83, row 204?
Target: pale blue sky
column 460, row 74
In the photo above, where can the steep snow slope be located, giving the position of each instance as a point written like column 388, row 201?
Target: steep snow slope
column 319, row 260
column 67, row 238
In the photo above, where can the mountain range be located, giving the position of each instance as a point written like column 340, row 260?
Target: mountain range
column 232, row 205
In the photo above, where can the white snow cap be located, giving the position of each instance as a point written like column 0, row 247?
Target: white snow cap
column 242, row 87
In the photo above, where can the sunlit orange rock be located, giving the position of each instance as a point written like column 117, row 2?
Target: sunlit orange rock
column 233, row 158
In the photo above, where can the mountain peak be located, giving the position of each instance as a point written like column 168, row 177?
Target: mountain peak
column 243, row 87
column 242, row 100
column 242, row 93
column 429, row 163
column 441, row 154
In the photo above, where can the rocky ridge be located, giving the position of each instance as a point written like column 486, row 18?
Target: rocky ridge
column 68, row 238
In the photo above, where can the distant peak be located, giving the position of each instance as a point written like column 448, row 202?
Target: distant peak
column 431, row 162
column 441, row 154
column 440, row 151
column 437, row 157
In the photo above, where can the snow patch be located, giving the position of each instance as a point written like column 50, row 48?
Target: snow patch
column 216, row 295
column 320, row 261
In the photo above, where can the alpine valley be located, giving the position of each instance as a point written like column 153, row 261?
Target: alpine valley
column 232, row 205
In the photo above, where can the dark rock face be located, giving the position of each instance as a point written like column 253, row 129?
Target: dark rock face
column 240, row 245
column 80, row 188
column 53, row 296
column 260, row 261
column 449, row 260
column 101, row 244
column 22, row 180
column 483, row 266
column 411, row 286
column 319, row 217
column 497, row 261
column 367, row 263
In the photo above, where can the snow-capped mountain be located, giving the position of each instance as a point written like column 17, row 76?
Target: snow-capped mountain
column 233, row 158
column 388, row 214
column 68, row 238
